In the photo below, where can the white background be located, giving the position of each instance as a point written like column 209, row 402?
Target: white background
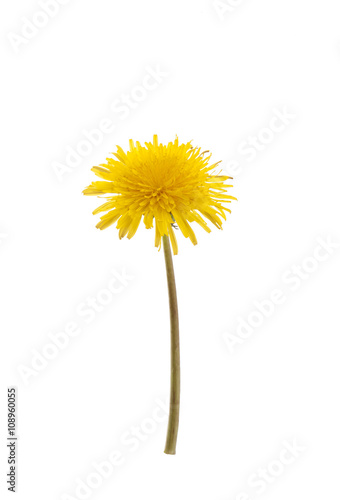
column 229, row 71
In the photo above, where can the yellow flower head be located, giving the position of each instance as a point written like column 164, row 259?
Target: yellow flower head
column 164, row 184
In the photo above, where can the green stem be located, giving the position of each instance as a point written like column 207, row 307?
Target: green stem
column 171, row 439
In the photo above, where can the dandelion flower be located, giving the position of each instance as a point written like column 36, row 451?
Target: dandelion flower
column 165, row 186
column 161, row 185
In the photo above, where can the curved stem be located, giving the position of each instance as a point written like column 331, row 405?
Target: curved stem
column 171, row 439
